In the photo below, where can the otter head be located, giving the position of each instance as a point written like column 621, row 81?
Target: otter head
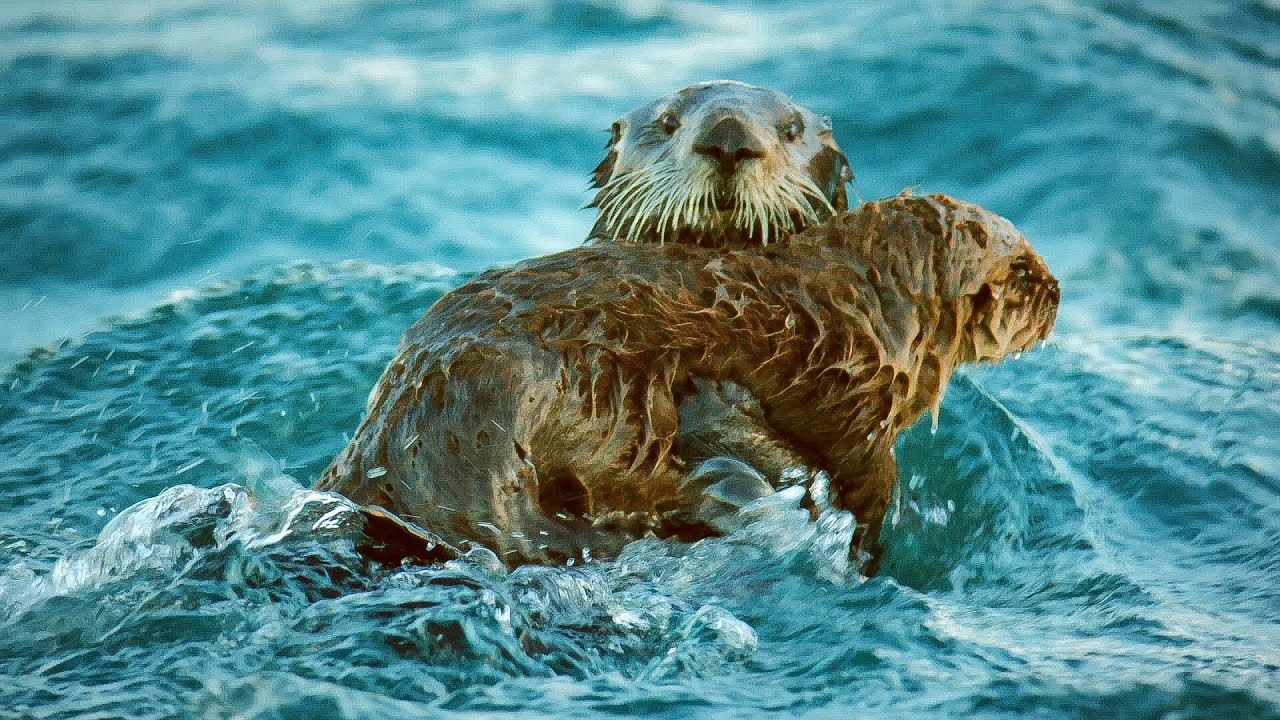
column 718, row 162
column 1010, row 296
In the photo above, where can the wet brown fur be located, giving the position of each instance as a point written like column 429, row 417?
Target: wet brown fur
column 534, row 409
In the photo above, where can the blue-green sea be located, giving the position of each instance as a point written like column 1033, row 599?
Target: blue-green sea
column 216, row 218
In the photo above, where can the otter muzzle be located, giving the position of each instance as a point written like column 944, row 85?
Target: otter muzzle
column 728, row 142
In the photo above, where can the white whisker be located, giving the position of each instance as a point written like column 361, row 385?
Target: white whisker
column 666, row 198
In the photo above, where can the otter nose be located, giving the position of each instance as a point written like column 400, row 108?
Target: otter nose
column 728, row 142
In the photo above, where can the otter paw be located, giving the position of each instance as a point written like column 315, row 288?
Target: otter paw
column 721, row 486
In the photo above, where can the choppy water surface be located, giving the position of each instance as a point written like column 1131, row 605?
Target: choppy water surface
column 1091, row 532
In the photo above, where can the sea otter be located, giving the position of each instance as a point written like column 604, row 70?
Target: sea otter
column 720, row 163
column 536, row 409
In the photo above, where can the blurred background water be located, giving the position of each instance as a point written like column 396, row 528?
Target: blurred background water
column 1092, row 532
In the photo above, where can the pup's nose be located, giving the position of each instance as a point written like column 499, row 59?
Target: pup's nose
column 728, row 142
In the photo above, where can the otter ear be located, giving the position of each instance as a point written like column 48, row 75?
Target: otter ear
column 830, row 170
column 604, row 171
column 600, row 176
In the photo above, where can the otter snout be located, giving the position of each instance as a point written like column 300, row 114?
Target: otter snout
column 728, row 141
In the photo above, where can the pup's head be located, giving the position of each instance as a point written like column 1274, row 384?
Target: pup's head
column 1006, row 287
column 937, row 261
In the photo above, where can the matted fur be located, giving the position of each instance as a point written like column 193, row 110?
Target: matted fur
column 534, row 409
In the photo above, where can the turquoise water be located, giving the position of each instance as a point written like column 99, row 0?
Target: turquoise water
column 216, row 219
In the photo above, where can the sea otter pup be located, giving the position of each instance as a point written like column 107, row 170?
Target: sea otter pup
column 535, row 408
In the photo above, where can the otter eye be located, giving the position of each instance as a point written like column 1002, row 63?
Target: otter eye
column 669, row 122
column 793, row 129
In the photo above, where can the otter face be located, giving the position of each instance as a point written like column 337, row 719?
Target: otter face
column 715, row 162
column 1015, row 305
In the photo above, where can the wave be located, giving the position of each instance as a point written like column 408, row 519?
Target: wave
column 1072, row 516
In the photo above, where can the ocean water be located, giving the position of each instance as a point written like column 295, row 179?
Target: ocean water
column 217, row 218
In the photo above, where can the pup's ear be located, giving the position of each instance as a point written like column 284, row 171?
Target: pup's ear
column 831, row 172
